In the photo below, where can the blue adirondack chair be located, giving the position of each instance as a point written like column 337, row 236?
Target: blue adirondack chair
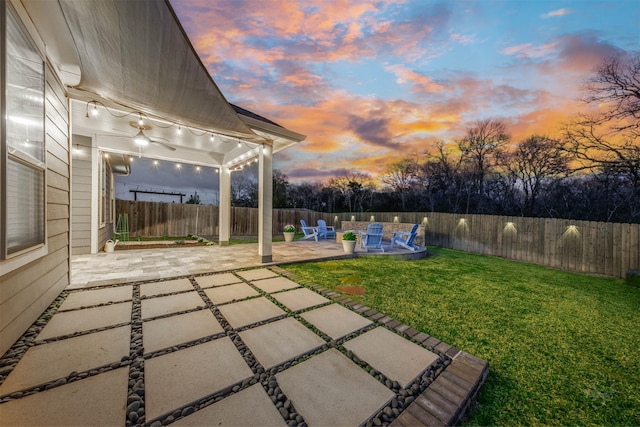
column 372, row 238
column 325, row 231
column 405, row 238
column 309, row 232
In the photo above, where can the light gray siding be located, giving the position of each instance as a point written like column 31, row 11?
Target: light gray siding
column 81, row 196
column 27, row 291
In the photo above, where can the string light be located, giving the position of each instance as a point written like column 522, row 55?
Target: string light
column 179, row 131
column 94, row 111
column 239, row 144
column 211, row 138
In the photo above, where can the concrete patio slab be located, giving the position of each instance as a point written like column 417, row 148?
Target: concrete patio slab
column 100, row 400
column 70, row 322
column 298, row 299
column 277, row 342
column 257, row 274
column 170, row 331
column 245, row 313
column 250, row 407
column 236, row 292
column 399, row 359
column 184, row 376
column 335, row 320
column 96, row 297
column 166, row 287
column 275, row 284
column 63, row 357
column 160, row 306
column 217, row 280
column 331, row 390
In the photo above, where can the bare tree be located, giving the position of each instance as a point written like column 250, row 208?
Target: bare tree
column 481, row 146
column 401, row 176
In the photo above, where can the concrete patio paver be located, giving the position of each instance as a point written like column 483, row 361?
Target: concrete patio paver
column 235, row 292
column 58, row 359
column 178, row 378
column 397, row 358
column 330, row 390
column 86, row 319
column 217, row 280
column 257, row 274
column 280, row 341
column 245, row 313
column 298, row 299
column 160, row 306
column 90, row 298
column 168, row 287
column 100, row 400
column 169, row 331
column 275, row 284
column 249, row 407
column 335, row 320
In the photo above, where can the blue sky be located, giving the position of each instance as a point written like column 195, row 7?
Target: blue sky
column 370, row 82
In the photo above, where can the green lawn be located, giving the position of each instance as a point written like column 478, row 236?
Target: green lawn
column 563, row 348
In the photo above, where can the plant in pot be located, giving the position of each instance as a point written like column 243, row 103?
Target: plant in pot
column 289, row 231
column 349, row 242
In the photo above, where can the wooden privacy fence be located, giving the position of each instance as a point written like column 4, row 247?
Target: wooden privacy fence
column 609, row 249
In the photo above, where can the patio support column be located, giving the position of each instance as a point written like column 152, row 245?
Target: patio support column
column 224, row 217
column 265, row 202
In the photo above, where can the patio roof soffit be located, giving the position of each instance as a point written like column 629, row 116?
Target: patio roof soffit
column 135, row 53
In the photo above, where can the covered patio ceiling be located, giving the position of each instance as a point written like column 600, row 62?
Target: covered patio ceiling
column 128, row 61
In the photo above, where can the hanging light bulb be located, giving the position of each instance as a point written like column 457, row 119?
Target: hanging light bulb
column 94, row 111
column 239, row 145
column 211, row 137
column 140, row 122
column 179, row 131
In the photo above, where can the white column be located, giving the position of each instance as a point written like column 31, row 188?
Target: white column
column 224, row 217
column 265, row 203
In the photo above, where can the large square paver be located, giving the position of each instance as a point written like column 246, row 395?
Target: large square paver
column 160, row 306
column 275, row 284
column 335, row 320
column 396, row 357
column 260, row 273
column 169, row 331
column 100, row 400
column 331, row 390
column 96, row 296
column 250, row 407
column 184, row 376
column 277, row 342
column 236, row 292
column 245, row 313
column 69, row 322
column 217, row 280
column 65, row 356
column 166, row 287
column 298, row 299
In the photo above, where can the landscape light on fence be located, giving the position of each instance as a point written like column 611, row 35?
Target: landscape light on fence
column 353, row 217
column 510, row 228
column 335, row 220
column 425, row 220
column 396, row 219
column 372, row 219
column 572, row 231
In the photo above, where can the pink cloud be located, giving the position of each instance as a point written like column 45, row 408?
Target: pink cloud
column 528, row 50
column 421, row 83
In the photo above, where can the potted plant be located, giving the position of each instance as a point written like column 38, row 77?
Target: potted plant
column 289, row 231
column 349, row 242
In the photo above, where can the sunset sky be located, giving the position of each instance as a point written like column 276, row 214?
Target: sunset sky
column 370, row 82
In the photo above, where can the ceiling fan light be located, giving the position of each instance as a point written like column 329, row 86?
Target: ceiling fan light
column 141, row 139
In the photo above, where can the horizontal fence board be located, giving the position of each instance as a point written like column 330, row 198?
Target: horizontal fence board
column 609, row 249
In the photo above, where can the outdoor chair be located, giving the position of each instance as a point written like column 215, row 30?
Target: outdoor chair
column 405, row 238
column 372, row 238
column 325, row 231
column 309, row 232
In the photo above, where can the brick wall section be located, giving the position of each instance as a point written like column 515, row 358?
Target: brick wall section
column 388, row 228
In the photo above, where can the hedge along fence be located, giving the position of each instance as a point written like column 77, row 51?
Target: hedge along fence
column 609, row 249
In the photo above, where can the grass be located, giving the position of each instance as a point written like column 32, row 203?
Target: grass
column 563, row 348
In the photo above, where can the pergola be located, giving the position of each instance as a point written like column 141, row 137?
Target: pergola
column 138, row 88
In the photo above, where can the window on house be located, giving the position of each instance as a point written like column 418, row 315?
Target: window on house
column 22, row 139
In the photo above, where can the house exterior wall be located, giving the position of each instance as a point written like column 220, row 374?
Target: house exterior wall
column 81, row 195
column 27, row 291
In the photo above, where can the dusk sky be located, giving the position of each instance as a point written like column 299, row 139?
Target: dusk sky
column 369, row 82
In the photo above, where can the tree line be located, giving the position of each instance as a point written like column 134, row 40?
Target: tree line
column 591, row 172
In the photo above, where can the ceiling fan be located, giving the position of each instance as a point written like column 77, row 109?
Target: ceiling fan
column 141, row 140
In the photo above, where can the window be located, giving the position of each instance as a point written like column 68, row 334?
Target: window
column 22, row 139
